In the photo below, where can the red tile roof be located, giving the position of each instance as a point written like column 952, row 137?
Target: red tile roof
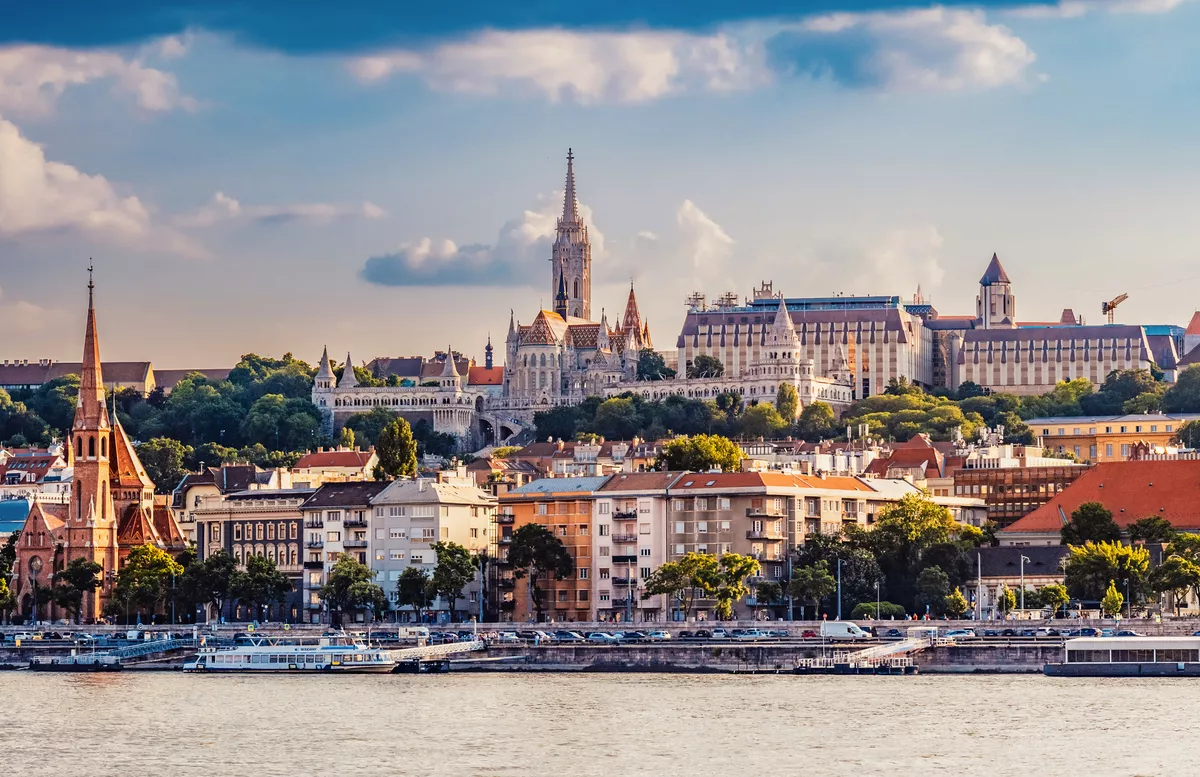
column 1193, row 327
column 485, row 376
column 357, row 459
column 1131, row 490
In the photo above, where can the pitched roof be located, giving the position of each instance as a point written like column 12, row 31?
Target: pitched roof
column 1131, row 490
column 485, row 376
column 1193, row 327
column 344, row 494
column 1041, row 560
column 401, row 367
column 166, row 526
column 640, row 481
column 136, row 528
column 129, row 471
column 560, row 486
column 356, row 459
column 994, row 273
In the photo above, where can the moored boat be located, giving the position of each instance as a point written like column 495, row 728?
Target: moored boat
column 329, row 653
column 1128, row 657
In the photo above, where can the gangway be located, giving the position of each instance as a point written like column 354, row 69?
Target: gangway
column 149, row 647
column 434, row 652
column 888, row 650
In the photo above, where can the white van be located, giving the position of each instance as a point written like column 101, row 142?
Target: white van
column 414, row 633
column 842, row 630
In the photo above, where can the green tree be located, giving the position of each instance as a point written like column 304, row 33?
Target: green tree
column 761, row 420
column 877, row 611
column 916, row 533
column 617, row 419
column 72, row 582
column 1113, row 600
column 651, row 366
column 260, row 584
column 208, row 582
column 787, row 402
column 1090, row 566
column 700, row 453
column 411, row 590
column 955, row 604
column 368, row 426
column 1175, row 576
column 346, row 437
column 1090, row 522
column 817, row 422
column 680, row 579
column 365, row 595
column 768, row 593
column 1184, row 395
column 164, row 460
column 933, row 586
column 1006, row 600
column 455, row 569
column 1151, row 529
column 811, row 584
column 732, row 571
column 1054, row 596
column 144, row 582
column 342, row 577
column 397, row 451
column 8, row 600
column 1188, row 434
column 705, row 366
column 536, row 553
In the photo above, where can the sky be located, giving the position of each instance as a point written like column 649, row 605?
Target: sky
column 277, row 177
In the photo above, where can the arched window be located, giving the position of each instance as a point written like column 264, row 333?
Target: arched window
column 79, row 447
column 103, row 446
column 543, row 360
column 91, row 447
column 292, row 556
column 576, row 288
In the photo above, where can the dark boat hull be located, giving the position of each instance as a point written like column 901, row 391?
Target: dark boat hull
column 1161, row 669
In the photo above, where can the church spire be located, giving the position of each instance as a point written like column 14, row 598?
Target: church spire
column 570, row 202
column 561, row 301
column 90, row 412
column 348, row 378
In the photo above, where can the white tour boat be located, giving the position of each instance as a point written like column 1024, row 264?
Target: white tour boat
column 258, row 653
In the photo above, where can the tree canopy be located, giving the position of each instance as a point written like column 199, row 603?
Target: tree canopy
column 537, row 554
column 701, row 453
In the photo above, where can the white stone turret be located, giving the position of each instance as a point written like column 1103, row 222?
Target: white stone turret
column 348, row 380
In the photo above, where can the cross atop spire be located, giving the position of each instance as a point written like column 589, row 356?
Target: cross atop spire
column 91, row 286
column 570, row 202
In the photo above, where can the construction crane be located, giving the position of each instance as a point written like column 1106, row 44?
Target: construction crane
column 1111, row 306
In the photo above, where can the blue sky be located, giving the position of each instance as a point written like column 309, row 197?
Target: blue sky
column 233, row 172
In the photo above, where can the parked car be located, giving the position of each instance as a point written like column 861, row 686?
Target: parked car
column 658, row 636
column 568, row 636
column 750, row 635
column 892, row 634
column 842, row 630
column 960, row 633
column 702, row 634
column 1028, row 632
column 1046, row 632
column 603, row 638
column 506, row 638
column 720, row 634
column 811, row 634
column 686, row 635
column 1128, row 633
column 1108, row 632
column 779, row 633
column 632, row 636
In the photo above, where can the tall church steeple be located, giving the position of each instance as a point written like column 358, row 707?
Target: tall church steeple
column 90, row 412
column 571, row 257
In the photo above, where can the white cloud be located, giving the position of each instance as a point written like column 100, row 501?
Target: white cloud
column 223, row 208
column 1071, row 9
column 932, row 49
column 588, row 67
column 519, row 256
column 38, row 195
column 23, row 316
column 703, row 242
column 32, row 78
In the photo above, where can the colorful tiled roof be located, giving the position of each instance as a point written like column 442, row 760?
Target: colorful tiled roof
column 485, row 376
column 994, row 273
column 322, row 459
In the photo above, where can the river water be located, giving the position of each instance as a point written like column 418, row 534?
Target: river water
column 579, row 725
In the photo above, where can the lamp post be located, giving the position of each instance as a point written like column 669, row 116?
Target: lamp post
column 877, row 600
column 1128, row 601
column 839, row 617
column 1023, row 560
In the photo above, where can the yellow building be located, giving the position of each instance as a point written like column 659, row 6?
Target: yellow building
column 1094, row 439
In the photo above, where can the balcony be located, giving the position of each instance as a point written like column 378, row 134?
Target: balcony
column 314, row 543
column 506, row 584
column 359, row 522
column 765, row 512
column 766, row 556
column 625, row 515
column 504, row 539
column 622, row 603
column 624, row 582
column 624, row 559
column 624, row 539
column 508, row 606
column 769, row 535
column 355, row 543
column 505, row 518
column 314, row 523
column 314, row 564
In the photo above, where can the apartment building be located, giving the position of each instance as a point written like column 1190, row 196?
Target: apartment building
column 409, row 516
column 1095, row 439
column 337, row 519
column 257, row 523
column 565, row 506
column 628, row 544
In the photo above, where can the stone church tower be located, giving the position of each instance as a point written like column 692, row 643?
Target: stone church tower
column 995, row 307
column 572, row 254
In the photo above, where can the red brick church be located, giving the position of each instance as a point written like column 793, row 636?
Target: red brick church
column 112, row 508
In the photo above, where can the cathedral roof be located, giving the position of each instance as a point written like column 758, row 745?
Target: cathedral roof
column 136, row 528
column 449, row 370
column 485, row 376
column 166, row 527
column 127, row 469
column 348, row 379
column 1193, row 327
column 90, row 412
column 994, row 273
column 570, row 202
column 325, row 370
column 633, row 317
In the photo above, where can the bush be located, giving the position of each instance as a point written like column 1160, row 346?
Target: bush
column 887, row 610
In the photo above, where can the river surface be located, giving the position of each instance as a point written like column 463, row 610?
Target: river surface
column 579, row 725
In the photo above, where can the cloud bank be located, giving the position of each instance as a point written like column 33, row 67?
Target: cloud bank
column 224, row 209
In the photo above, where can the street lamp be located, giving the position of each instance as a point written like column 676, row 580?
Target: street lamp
column 1128, row 601
column 877, row 600
column 1023, row 560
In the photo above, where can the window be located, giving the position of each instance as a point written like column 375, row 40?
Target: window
column 680, row 550
column 427, row 534
column 583, row 530
column 644, row 572
column 1153, row 427
column 293, row 532
column 702, row 526
column 701, row 548
column 603, row 574
column 1108, row 450
column 270, row 531
column 583, row 573
column 398, row 534
column 214, row 532
column 604, row 596
column 333, row 515
column 583, row 596
column 677, row 504
column 561, row 530
column 424, row 511
column 604, row 508
column 723, row 503
column 603, row 550
column 445, row 532
column 237, row 531
column 379, row 532
column 604, row 530
column 701, row 504
column 258, row 531
column 541, row 509
column 643, row 528
column 379, row 555
column 396, row 555
column 333, row 536
column 679, row 527
column 1124, row 451
column 474, row 533
column 724, row 525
